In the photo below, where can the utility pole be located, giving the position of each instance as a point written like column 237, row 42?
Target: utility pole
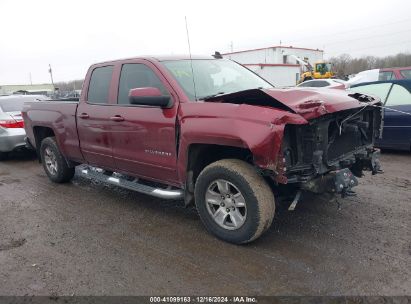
column 51, row 76
column 31, row 82
column 231, row 47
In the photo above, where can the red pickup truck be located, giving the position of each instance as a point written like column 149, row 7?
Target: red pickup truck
column 211, row 132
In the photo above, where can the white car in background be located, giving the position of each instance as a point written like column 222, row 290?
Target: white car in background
column 324, row 83
column 12, row 133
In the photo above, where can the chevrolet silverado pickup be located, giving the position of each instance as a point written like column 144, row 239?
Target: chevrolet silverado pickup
column 211, row 132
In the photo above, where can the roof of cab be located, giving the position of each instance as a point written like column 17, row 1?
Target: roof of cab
column 160, row 58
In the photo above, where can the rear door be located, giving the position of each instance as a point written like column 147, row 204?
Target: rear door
column 397, row 124
column 144, row 137
column 93, row 123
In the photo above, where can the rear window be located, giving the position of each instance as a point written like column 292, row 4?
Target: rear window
column 406, row 74
column 100, row 85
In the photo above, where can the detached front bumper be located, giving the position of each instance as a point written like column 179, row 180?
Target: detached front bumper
column 12, row 139
column 343, row 180
column 339, row 182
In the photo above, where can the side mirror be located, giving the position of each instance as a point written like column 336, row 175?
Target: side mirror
column 149, row 97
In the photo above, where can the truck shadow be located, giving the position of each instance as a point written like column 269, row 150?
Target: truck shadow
column 136, row 200
column 390, row 152
column 312, row 215
column 20, row 155
column 306, row 218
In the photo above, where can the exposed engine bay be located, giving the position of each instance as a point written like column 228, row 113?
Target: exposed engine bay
column 334, row 149
column 330, row 142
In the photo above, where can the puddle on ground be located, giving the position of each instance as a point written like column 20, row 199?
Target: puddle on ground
column 9, row 181
column 7, row 245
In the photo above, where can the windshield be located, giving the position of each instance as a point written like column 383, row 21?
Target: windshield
column 213, row 77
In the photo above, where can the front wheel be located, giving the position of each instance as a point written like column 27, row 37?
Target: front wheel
column 234, row 202
column 54, row 162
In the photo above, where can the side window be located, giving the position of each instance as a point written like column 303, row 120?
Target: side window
column 321, row 84
column 385, row 76
column 399, row 96
column 406, row 74
column 307, row 84
column 136, row 75
column 100, row 85
column 379, row 89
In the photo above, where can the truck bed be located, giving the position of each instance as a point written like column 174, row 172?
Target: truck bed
column 59, row 116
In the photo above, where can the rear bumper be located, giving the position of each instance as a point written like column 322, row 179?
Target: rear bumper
column 12, row 139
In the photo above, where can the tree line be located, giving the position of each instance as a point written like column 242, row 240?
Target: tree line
column 344, row 64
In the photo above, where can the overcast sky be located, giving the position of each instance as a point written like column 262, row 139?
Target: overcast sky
column 72, row 34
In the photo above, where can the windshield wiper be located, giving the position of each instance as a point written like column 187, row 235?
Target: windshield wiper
column 211, row 96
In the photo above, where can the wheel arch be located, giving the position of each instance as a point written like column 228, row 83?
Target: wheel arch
column 200, row 155
column 40, row 133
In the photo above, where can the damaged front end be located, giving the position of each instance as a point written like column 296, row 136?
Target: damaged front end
column 327, row 137
column 329, row 153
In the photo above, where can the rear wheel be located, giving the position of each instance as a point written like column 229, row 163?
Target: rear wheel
column 54, row 162
column 234, row 202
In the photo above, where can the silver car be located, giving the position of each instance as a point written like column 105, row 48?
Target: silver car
column 12, row 131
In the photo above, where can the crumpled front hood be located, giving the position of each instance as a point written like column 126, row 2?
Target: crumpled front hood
column 308, row 102
column 314, row 102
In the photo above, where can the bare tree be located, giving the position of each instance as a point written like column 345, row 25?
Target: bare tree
column 346, row 65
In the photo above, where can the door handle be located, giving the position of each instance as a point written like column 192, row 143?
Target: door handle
column 117, row 118
column 84, row 116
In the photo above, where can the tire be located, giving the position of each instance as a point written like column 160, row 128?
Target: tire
column 240, row 225
column 54, row 163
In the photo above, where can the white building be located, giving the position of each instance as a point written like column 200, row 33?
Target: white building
column 40, row 89
column 275, row 63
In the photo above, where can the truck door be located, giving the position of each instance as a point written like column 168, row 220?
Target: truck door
column 397, row 125
column 93, row 119
column 144, row 137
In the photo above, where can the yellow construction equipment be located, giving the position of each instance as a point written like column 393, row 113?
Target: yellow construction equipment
column 321, row 70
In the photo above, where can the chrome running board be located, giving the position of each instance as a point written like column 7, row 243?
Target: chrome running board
column 121, row 181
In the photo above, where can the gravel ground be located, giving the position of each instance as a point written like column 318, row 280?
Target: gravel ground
column 85, row 238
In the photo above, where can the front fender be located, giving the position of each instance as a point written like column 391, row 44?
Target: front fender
column 258, row 129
